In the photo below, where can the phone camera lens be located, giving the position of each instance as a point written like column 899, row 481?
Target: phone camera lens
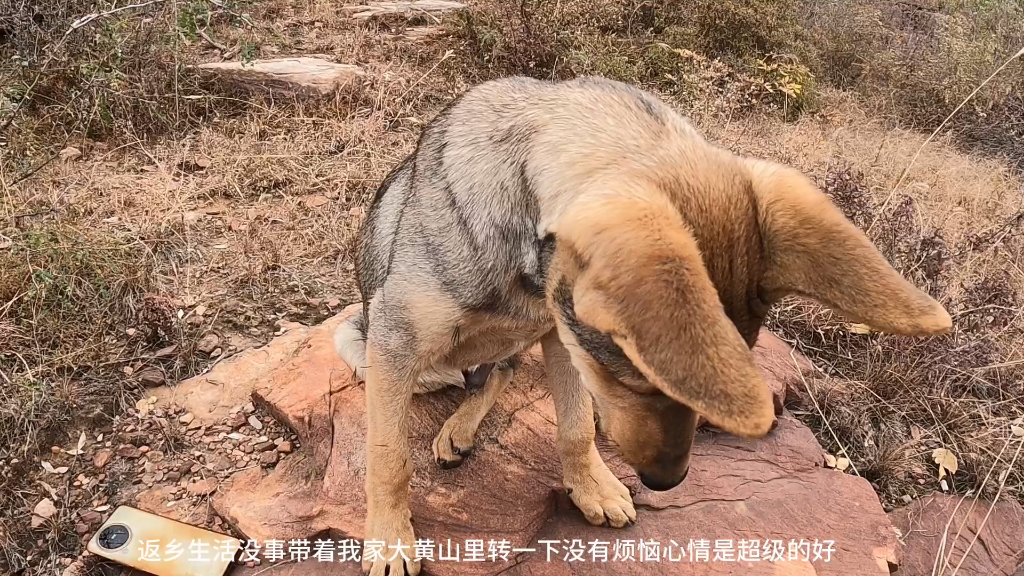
column 113, row 537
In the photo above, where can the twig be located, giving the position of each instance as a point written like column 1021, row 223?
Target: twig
column 211, row 42
column 84, row 20
column 929, row 139
column 967, row 516
column 1002, row 483
column 936, row 569
column 820, row 413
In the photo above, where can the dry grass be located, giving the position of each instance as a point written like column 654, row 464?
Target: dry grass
column 192, row 210
column 956, row 228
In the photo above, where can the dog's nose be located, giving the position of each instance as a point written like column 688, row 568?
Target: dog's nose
column 661, row 484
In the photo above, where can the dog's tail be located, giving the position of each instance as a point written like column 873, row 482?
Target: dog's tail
column 350, row 343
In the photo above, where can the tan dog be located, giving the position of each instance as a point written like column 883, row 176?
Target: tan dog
column 590, row 217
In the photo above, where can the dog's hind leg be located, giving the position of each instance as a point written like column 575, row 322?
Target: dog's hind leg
column 455, row 440
column 591, row 485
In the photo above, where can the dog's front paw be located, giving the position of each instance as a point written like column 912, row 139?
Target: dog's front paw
column 599, row 494
column 454, row 443
column 389, row 547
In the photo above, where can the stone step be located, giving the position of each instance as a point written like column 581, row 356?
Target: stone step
column 431, row 10
column 297, row 75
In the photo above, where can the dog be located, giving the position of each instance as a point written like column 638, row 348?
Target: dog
column 589, row 216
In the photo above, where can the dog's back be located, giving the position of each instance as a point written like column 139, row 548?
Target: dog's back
column 466, row 212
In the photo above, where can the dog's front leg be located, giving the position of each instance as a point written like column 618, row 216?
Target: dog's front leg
column 591, row 485
column 389, row 536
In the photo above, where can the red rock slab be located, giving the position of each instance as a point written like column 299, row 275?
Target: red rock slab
column 998, row 551
column 230, row 383
column 509, row 490
column 504, row 491
column 738, row 490
column 782, row 366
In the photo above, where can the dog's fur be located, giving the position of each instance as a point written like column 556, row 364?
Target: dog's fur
column 591, row 217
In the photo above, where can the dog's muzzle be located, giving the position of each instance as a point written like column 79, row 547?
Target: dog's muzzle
column 661, row 484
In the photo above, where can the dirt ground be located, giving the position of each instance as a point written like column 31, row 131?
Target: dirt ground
column 154, row 222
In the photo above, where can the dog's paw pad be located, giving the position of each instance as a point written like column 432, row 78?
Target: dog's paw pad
column 452, row 445
column 602, row 498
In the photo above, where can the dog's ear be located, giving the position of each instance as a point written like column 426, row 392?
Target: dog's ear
column 643, row 282
column 812, row 250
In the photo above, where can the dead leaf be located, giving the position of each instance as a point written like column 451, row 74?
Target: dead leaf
column 946, row 461
column 70, row 153
column 315, row 201
column 43, row 510
column 859, row 329
column 1017, row 431
column 103, row 508
column 203, row 162
column 81, row 443
column 5, row 242
column 53, row 493
column 916, row 432
column 49, row 468
column 830, row 460
column 842, row 464
column 199, row 310
column 143, row 407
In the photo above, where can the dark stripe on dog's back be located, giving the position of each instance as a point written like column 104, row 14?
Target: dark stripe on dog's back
column 599, row 345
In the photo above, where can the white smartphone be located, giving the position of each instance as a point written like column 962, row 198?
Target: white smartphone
column 161, row 546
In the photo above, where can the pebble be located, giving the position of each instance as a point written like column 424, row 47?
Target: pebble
column 906, row 499
column 284, row 447
column 203, row 487
column 268, row 458
column 264, row 446
column 187, row 419
column 255, row 423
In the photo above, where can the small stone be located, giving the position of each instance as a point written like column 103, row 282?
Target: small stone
column 151, row 376
column 187, row 419
column 250, row 408
column 207, row 344
column 247, row 448
column 906, row 499
column 128, row 451
column 255, row 423
column 172, row 476
column 268, row 458
column 101, row 458
column 236, row 420
column 264, row 446
column 91, row 517
column 81, row 528
column 222, row 463
column 203, row 487
column 284, row 447
column 144, row 449
column 70, row 154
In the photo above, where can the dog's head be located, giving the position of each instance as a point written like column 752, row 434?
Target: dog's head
column 659, row 299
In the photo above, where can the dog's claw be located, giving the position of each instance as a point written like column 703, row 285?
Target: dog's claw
column 453, row 444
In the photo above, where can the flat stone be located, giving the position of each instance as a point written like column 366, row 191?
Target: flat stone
column 101, row 458
column 998, row 551
column 431, row 9
column 290, row 75
column 230, row 383
column 510, row 489
column 203, row 487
